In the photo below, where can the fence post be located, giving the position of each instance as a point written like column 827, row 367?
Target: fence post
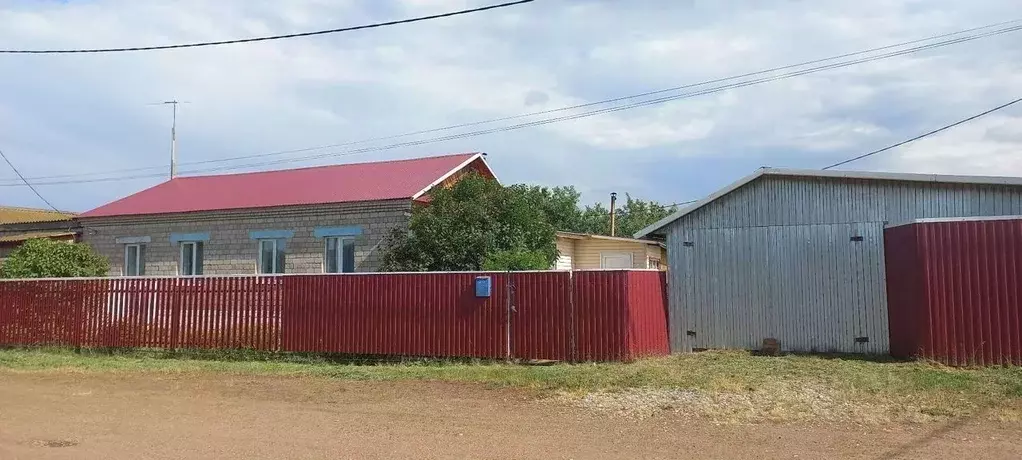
column 510, row 308
column 77, row 335
column 175, row 315
column 572, row 333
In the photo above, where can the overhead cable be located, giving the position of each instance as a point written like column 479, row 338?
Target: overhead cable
column 262, row 39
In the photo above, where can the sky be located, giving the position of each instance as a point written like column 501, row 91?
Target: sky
column 87, row 115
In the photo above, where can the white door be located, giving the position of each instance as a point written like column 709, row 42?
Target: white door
column 616, row 260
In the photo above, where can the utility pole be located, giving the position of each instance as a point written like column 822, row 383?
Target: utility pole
column 173, row 134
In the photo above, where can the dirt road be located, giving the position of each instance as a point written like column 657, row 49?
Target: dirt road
column 144, row 416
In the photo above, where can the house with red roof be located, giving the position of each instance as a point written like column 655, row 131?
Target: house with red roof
column 326, row 219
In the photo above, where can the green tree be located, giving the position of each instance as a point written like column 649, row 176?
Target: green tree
column 477, row 221
column 559, row 204
column 636, row 215
column 516, row 261
column 632, row 216
column 595, row 219
column 45, row 258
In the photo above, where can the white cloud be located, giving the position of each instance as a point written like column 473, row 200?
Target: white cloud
column 990, row 146
column 73, row 114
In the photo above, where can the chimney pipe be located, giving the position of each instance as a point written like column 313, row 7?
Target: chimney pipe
column 613, row 213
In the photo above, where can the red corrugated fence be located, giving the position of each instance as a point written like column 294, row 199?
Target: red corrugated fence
column 955, row 291
column 569, row 316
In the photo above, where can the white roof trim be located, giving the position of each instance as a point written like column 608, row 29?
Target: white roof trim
column 452, row 172
column 698, row 204
column 934, row 220
column 912, row 177
column 587, row 236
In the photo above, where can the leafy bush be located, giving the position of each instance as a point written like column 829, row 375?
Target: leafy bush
column 474, row 220
column 44, row 258
column 516, row 261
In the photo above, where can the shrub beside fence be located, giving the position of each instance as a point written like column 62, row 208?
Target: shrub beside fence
column 568, row 316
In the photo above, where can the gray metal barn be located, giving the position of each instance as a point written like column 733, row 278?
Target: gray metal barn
column 798, row 255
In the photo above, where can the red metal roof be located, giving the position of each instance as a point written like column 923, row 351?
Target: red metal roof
column 385, row 180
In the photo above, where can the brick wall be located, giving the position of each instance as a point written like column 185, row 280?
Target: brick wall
column 231, row 251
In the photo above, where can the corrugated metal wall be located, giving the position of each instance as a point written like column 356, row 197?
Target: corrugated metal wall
column 956, row 291
column 599, row 315
column 646, row 336
column 776, row 258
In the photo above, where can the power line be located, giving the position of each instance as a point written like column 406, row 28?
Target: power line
column 616, row 99
column 27, row 183
column 577, row 115
column 648, row 102
column 543, row 112
column 944, row 128
column 267, row 38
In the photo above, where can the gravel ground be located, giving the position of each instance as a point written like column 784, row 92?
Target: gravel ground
column 66, row 415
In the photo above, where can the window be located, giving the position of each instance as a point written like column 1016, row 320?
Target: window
column 339, row 256
column 191, row 258
column 616, row 260
column 654, row 264
column 134, row 260
column 271, row 256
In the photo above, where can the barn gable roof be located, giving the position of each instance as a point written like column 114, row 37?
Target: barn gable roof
column 865, row 175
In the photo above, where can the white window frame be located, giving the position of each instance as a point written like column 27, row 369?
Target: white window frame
column 138, row 259
column 195, row 258
column 259, row 259
column 338, row 252
column 631, row 259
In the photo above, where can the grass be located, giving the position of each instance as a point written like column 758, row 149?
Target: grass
column 758, row 387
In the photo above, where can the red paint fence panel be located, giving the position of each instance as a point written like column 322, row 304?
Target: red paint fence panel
column 392, row 314
column 647, row 304
column 568, row 316
column 955, row 291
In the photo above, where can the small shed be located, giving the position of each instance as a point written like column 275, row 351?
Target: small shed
column 583, row 251
column 798, row 255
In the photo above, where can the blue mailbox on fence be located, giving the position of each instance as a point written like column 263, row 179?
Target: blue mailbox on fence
column 484, row 286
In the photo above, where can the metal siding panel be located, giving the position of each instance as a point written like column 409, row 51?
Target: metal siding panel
column 808, row 286
column 646, row 314
column 962, row 285
column 722, row 314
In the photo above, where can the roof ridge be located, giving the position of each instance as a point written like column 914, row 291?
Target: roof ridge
column 404, row 160
column 885, row 175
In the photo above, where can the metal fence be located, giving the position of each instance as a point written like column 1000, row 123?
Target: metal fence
column 955, row 290
column 568, row 316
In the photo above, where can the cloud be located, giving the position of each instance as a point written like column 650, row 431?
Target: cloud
column 989, row 146
column 81, row 114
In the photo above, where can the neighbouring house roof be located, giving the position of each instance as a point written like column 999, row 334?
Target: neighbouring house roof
column 885, row 176
column 17, row 215
column 589, row 236
column 384, row 180
column 19, row 237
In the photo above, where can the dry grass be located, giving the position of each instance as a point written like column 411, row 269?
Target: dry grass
column 721, row 386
